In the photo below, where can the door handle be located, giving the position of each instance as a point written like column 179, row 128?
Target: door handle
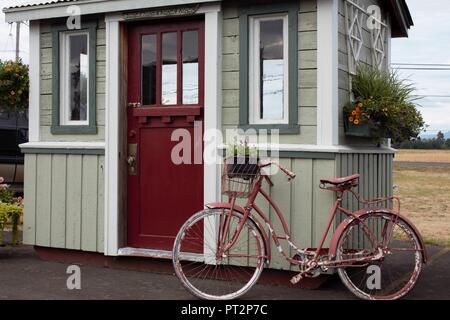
column 132, row 159
column 134, row 104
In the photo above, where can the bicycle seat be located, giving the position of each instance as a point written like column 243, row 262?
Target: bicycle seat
column 341, row 181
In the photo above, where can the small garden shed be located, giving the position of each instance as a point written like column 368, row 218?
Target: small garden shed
column 112, row 80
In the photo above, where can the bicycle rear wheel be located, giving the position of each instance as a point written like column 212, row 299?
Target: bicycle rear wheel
column 395, row 265
column 209, row 273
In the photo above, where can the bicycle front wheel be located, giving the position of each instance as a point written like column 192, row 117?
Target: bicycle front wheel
column 206, row 270
column 392, row 262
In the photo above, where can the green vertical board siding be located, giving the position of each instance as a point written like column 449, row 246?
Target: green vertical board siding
column 301, row 211
column 43, row 201
column 29, row 219
column 376, row 175
column 322, row 199
column 376, row 179
column 89, row 204
column 64, row 201
column 281, row 193
column 58, row 200
column 100, row 204
column 74, row 188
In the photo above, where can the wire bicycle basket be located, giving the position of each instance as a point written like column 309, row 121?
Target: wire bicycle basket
column 239, row 176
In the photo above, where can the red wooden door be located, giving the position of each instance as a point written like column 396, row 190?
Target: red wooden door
column 165, row 76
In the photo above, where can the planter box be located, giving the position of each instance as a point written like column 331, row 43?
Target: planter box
column 362, row 130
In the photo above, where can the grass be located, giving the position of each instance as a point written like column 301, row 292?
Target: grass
column 423, row 156
column 425, row 196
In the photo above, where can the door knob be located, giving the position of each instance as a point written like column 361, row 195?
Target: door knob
column 132, row 159
column 134, row 104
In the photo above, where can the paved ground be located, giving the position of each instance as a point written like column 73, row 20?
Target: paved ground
column 24, row 276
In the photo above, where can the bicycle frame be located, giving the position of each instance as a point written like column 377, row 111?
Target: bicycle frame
column 314, row 253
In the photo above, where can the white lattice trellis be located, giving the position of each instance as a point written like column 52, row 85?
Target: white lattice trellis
column 354, row 25
column 378, row 36
column 356, row 17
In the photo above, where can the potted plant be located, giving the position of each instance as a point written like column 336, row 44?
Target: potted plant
column 241, row 160
column 384, row 107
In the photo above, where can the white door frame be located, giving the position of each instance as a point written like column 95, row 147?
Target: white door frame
column 212, row 118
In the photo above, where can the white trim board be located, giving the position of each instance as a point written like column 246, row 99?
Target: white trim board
column 35, row 90
column 318, row 148
column 55, row 10
column 327, row 73
column 63, row 145
column 112, row 138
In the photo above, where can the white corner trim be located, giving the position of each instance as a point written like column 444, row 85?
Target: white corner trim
column 327, row 73
column 112, row 138
column 63, row 145
column 34, row 97
column 213, row 97
column 388, row 43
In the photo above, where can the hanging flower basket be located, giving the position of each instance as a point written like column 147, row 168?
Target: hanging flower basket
column 384, row 107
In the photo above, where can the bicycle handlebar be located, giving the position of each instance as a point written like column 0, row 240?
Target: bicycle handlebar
column 286, row 171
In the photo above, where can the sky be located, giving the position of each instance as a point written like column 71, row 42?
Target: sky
column 428, row 42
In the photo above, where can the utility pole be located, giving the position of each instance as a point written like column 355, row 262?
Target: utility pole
column 17, row 40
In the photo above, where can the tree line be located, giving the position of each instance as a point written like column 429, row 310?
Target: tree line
column 439, row 142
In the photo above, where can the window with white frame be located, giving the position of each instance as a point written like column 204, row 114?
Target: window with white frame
column 74, row 78
column 268, row 69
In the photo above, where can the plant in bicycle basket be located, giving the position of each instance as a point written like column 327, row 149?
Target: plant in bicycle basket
column 384, row 107
column 241, row 160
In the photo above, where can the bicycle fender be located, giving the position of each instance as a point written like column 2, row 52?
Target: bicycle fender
column 227, row 205
column 367, row 211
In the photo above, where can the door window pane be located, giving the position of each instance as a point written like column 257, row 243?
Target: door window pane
column 271, row 69
column 169, row 68
column 78, row 77
column 148, row 61
column 190, row 67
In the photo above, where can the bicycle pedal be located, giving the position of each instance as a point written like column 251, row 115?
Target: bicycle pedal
column 296, row 279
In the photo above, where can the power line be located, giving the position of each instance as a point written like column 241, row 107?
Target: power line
column 422, row 64
column 431, row 96
column 423, row 69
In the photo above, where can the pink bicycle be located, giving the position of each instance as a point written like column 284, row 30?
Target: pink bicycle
column 220, row 252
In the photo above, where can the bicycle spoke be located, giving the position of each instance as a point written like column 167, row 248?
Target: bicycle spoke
column 228, row 274
column 396, row 270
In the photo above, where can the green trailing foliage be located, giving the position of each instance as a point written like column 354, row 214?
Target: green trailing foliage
column 385, row 102
column 11, row 211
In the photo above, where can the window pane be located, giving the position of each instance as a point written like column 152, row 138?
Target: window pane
column 148, row 69
column 271, row 69
column 169, row 68
column 190, row 67
column 78, row 81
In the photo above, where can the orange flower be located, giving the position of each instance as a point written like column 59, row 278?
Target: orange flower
column 350, row 119
column 354, row 113
column 356, row 122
